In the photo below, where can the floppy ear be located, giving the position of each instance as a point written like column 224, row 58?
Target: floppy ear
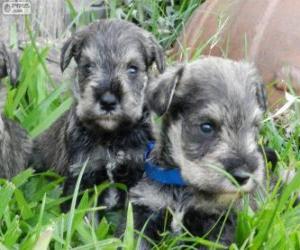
column 158, row 56
column 161, row 91
column 155, row 53
column 9, row 65
column 71, row 48
column 66, row 54
column 261, row 96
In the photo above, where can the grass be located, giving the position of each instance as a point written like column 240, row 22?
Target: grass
column 30, row 216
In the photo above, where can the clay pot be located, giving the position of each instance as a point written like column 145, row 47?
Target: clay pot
column 266, row 32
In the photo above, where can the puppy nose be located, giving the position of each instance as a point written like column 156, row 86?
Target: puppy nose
column 108, row 101
column 240, row 176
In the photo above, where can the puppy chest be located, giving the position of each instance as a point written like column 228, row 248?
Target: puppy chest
column 115, row 164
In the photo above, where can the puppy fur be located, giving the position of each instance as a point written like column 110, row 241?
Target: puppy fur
column 108, row 124
column 211, row 112
column 15, row 145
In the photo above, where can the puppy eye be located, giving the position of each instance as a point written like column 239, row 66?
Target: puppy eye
column 88, row 66
column 132, row 70
column 207, row 128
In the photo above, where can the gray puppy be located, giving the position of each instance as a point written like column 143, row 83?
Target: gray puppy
column 108, row 125
column 212, row 109
column 15, row 146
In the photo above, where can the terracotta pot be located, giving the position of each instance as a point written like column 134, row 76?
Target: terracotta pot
column 266, row 32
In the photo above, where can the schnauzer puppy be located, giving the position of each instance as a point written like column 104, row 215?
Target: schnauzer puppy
column 206, row 153
column 15, row 146
column 108, row 125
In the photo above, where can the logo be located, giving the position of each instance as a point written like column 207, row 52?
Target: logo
column 16, row 8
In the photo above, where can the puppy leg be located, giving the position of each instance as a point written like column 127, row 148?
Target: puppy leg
column 15, row 148
column 150, row 223
column 198, row 224
column 89, row 179
column 68, row 189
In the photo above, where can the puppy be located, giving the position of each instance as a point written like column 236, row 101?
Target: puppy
column 206, row 154
column 15, row 145
column 108, row 125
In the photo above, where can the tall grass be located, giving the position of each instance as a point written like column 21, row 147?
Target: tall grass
column 30, row 216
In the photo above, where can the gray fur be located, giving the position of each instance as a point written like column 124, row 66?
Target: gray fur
column 9, row 64
column 15, row 145
column 114, row 60
column 227, row 95
column 15, row 148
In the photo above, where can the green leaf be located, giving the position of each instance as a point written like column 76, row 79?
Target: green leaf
column 108, row 244
column 80, row 212
column 13, row 233
column 71, row 214
column 52, row 117
column 22, row 177
column 44, row 239
column 129, row 242
column 102, row 229
column 73, row 12
column 6, row 193
column 25, row 209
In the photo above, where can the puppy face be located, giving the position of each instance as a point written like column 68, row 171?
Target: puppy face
column 212, row 111
column 113, row 60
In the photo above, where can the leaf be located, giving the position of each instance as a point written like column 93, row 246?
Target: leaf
column 108, row 244
column 73, row 12
column 26, row 212
column 22, row 177
column 269, row 218
column 6, row 193
column 44, row 239
column 52, row 117
column 72, row 210
column 80, row 212
column 129, row 242
column 102, row 229
column 13, row 233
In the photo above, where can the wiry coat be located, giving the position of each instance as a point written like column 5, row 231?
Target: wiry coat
column 211, row 110
column 15, row 145
column 115, row 157
column 108, row 124
column 15, row 148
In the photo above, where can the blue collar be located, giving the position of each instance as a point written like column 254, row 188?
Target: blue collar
column 159, row 174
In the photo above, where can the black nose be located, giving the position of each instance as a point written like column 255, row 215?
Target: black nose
column 108, row 102
column 240, row 167
column 240, row 176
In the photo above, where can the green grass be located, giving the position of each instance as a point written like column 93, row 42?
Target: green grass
column 30, row 213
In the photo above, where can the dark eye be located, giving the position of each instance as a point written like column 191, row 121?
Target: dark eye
column 207, row 128
column 88, row 67
column 132, row 70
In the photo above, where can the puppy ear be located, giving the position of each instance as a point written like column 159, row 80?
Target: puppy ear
column 161, row 91
column 9, row 65
column 155, row 53
column 261, row 96
column 66, row 54
column 159, row 56
column 71, row 48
